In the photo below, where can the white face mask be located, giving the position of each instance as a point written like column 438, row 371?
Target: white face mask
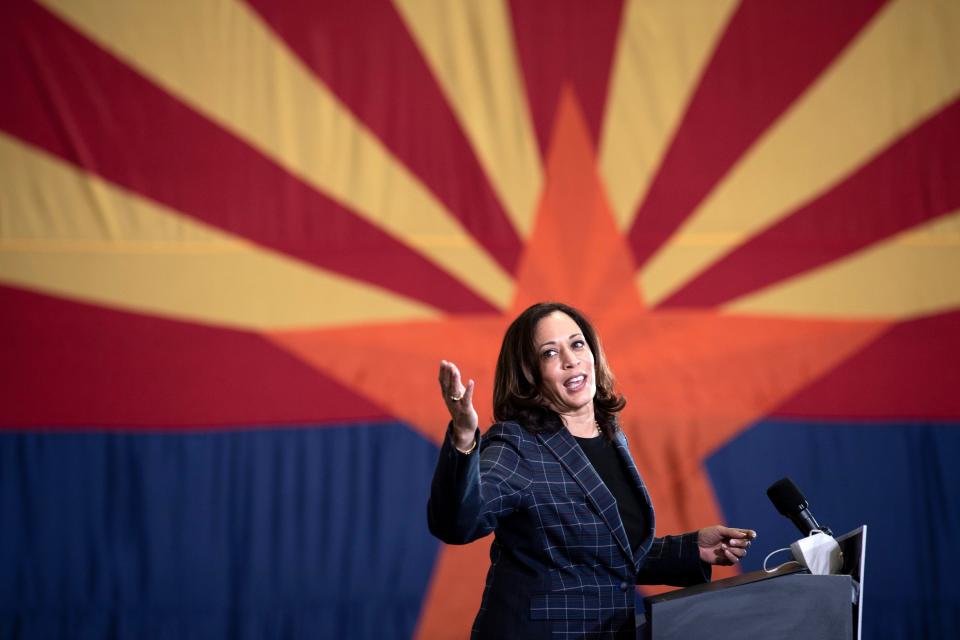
column 819, row 553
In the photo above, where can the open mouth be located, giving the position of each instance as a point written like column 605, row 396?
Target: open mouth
column 576, row 383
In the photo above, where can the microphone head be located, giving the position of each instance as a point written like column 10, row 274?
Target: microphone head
column 786, row 497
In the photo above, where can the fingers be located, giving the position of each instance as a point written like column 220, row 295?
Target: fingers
column 457, row 397
column 456, row 388
column 723, row 558
column 734, row 552
column 731, row 558
column 448, row 376
column 734, row 549
column 727, row 555
column 734, row 533
column 737, row 540
column 738, row 543
column 444, row 376
column 450, row 385
column 729, row 545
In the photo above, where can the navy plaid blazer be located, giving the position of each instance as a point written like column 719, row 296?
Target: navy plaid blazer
column 560, row 562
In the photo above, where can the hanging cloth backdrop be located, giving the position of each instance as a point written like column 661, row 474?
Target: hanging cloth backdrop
column 236, row 238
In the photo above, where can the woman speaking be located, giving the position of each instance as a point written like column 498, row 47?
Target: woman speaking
column 554, row 481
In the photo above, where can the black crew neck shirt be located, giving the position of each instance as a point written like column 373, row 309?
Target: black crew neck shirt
column 606, row 461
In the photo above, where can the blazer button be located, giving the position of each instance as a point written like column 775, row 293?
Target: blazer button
column 624, row 586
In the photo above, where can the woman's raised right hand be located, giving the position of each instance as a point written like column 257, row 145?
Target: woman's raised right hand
column 459, row 401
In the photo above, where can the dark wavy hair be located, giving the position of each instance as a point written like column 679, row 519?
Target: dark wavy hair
column 517, row 394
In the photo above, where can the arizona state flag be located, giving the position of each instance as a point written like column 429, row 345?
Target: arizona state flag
column 237, row 238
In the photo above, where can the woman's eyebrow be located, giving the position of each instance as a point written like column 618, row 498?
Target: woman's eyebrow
column 572, row 336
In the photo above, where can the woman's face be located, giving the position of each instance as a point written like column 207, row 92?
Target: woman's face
column 567, row 376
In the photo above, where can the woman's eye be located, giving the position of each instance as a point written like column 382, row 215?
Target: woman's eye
column 549, row 353
column 578, row 344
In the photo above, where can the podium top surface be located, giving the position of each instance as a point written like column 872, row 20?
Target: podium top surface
column 726, row 583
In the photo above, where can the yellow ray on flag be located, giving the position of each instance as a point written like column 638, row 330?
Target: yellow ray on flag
column 899, row 71
column 913, row 273
column 469, row 46
column 219, row 57
column 661, row 51
column 72, row 234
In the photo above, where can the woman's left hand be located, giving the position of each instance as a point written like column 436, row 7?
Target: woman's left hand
column 723, row 545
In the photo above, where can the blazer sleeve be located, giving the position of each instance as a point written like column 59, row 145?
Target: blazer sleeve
column 471, row 491
column 675, row 561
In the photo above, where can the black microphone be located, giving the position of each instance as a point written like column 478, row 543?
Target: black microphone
column 790, row 502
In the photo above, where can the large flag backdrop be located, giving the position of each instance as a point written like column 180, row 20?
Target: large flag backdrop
column 236, row 238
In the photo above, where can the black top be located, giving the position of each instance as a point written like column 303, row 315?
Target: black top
column 611, row 469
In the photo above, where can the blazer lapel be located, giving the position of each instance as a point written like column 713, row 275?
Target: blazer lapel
column 571, row 456
column 620, row 442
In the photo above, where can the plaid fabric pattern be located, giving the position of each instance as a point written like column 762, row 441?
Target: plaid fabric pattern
column 555, row 520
